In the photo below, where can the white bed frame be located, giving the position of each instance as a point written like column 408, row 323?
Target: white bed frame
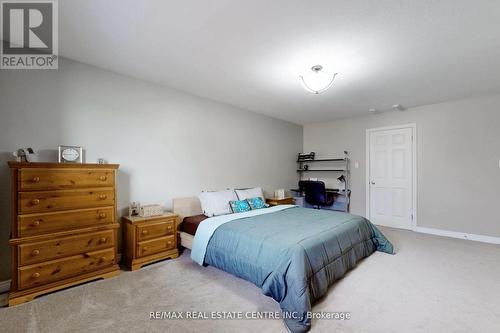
column 186, row 207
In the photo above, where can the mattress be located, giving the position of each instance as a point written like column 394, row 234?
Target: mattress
column 190, row 223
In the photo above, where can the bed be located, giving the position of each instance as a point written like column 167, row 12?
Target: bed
column 185, row 207
column 293, row 254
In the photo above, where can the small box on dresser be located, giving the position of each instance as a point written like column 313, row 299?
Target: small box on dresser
column 149, row 239
column 63, row 228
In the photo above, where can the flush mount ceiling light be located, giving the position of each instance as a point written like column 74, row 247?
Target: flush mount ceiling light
column 317, row 81
column 398, row 107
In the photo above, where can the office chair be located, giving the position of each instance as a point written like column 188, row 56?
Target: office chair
column 315, row 193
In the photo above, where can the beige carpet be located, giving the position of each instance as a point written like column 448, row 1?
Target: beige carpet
column 432, row 284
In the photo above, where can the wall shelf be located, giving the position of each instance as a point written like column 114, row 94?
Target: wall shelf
column 340, row 165
column 321, row 170
column 324, row 160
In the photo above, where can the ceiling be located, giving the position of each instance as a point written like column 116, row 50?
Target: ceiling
column 250, row 53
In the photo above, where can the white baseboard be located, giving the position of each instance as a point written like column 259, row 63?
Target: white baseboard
column 460, row 235
column 4, row 286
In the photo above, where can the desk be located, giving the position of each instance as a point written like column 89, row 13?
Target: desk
column 339, row 204
column 328, row 190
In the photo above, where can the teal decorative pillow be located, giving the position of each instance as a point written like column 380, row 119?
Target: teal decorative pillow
column 239, row 206
column 257, row 203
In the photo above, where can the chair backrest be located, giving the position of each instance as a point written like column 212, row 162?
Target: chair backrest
column 315, row 192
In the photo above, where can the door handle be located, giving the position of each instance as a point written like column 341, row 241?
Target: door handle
column 373, row 183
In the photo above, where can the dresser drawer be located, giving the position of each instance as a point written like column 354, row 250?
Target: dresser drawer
column 149, row 247
column 55, row 270
column 37, row 224
column 48, row 201
column 58, row 179
column 155, row 230
column 31, row 253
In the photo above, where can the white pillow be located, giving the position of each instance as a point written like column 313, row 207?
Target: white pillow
column 216, row 203
column 250, row 193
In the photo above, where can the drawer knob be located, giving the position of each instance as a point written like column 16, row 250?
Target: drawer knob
column 35, row 179
column 102, row 215
column 35, row 275
column 35, row 202
column 169, row 243
column 169, row 227
column 102, row 259
column 102, row 196
column 35, row 252
column 102, row 240
column 144, row 249
column 103, row 178
column 36, row 223
column 144, row 232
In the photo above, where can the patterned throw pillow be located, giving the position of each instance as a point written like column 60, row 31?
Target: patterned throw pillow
column 257, row 203
column 239, row 206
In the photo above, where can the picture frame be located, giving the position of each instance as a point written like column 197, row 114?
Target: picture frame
column 70, row 154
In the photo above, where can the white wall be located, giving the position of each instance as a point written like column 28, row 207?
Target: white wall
column 458, row 152
column 169, row 144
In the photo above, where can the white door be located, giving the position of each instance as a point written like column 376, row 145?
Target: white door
column 391, row 175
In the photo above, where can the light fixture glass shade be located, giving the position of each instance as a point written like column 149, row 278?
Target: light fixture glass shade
column 317, row 81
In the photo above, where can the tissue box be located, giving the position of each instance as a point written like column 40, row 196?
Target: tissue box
column 279, row 194
column 151, row 210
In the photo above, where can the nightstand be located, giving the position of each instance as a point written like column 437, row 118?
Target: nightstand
column 276, row 202
column 149, row 239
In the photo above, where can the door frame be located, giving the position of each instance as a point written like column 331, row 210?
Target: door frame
column 369, row 131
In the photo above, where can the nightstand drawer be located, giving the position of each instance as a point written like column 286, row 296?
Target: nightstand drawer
column 31, row 253
column 60, row 179
column 149, row 247
column 37, row 224
column 48, row 201
column 149, row 239
column 155, row 230
column 55, row 270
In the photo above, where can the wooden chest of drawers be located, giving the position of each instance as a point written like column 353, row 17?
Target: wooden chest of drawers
column 149, row 239
column 63, row 227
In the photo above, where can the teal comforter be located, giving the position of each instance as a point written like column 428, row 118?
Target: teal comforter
column 294, row 255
